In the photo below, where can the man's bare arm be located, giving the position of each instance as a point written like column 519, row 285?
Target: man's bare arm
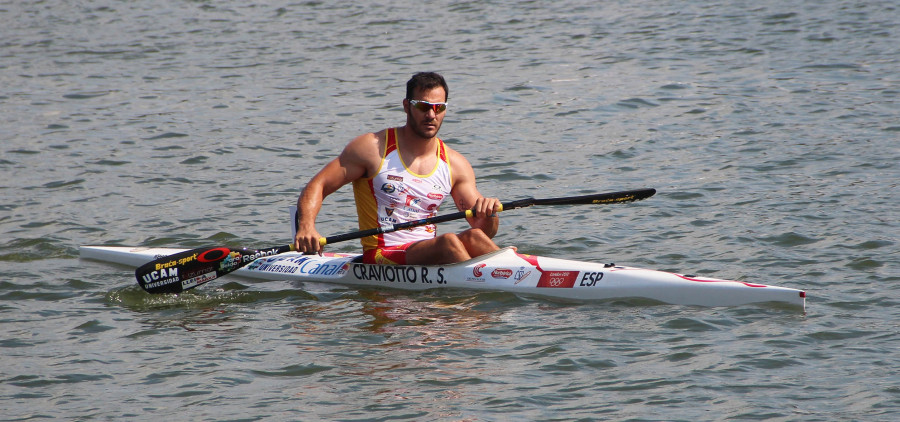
column 466, row 196
column 353, row 163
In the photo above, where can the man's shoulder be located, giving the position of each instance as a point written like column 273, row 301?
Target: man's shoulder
column 368, row 141
column 454, row 155
column 369, row 137
column 365, row 150
column 460, row 168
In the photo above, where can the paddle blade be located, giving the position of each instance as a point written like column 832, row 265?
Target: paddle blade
column 601, row 198
column 186, row 270
column 597, row 198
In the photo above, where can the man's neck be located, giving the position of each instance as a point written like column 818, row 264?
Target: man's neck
column 411, row 143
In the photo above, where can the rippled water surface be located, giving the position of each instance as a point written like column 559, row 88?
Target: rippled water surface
column 770, row 129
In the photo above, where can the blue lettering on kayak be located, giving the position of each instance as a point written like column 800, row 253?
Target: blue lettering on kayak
column 277, row 268
column 315, row 268
column 302, row 265
column 590, row 279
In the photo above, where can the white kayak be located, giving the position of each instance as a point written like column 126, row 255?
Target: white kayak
column 504, row 270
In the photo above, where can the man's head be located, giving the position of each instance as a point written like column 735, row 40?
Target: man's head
column 426, row 81
column 425, row 103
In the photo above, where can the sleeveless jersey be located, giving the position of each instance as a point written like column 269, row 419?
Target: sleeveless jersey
column 396, row 195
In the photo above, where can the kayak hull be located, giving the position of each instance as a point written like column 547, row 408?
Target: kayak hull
column 503, row 270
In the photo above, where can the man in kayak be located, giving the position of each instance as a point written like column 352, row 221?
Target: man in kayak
column 404, row 174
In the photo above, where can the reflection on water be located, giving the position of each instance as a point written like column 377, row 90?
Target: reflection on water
column 401, row 320
column 425, row 323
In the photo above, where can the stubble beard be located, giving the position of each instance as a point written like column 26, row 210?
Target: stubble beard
column 419, row 129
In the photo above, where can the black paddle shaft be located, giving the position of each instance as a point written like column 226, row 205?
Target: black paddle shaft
column 599, row 198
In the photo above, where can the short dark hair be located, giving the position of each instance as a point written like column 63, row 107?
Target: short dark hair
column 424, row 81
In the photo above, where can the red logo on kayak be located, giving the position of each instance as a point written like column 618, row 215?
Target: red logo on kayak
column 477, row 270
column 558, row 279
column 501, row 273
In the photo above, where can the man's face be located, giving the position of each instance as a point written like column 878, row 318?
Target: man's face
column 426, row 123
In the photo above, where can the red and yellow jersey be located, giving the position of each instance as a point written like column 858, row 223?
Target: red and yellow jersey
column 396, row 195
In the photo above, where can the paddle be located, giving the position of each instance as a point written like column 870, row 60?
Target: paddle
column 189, row 269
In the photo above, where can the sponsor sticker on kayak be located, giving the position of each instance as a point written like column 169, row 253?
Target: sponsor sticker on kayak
column 477, row 274
column 306, row 265
column 558, row 279
column 522, row 274
column 502, row 273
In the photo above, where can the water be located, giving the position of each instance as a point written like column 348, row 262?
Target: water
column 769, row 128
